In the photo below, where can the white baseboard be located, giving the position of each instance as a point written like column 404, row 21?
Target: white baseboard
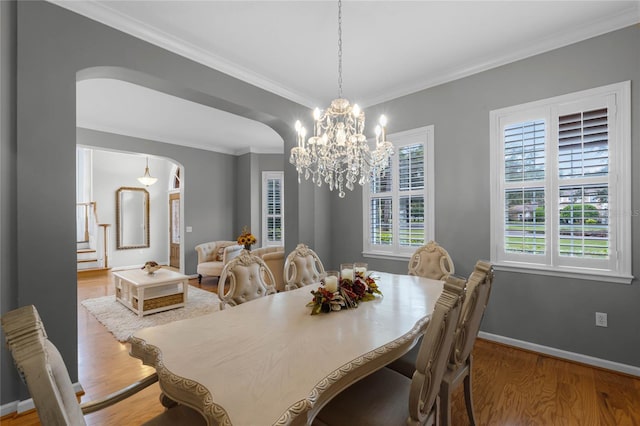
column 559, row 353
column 20, row 407
column 8, row 408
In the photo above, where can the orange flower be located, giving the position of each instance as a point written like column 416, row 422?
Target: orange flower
column 246, row 237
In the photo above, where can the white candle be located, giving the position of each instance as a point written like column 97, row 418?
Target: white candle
column 347, row 274
column 361, row 271
column 331, row 283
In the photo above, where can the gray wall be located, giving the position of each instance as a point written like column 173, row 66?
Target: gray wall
column 55, row 48
column 8, row 195
column 555, row 312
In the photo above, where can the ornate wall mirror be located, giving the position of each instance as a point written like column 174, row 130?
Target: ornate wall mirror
column 132, row 218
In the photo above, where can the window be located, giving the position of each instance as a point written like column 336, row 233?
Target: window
column 561, row 173
column 272, row 209
column 174, row 181
column 399, row 204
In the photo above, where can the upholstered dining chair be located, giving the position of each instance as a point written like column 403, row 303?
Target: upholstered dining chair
column 431, row 261
column 302, row 267
column 42, row 368
column 389, row 398
column 461, row 359
column 475, row 300
column 248, row 277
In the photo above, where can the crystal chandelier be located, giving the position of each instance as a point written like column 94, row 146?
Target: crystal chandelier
column 337, row 153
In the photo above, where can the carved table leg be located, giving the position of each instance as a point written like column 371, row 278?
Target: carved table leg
column 166, row 401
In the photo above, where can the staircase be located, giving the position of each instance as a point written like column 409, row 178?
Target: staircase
column 92, row 255
column 87, row 257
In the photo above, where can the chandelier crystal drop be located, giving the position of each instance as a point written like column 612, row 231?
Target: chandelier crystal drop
column 337, row 153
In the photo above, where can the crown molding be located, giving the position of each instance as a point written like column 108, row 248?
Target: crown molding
column 625, row 18
column 102, row 13
column 106, row 15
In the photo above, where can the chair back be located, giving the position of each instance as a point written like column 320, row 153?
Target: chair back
column 435, row 348
column 475, row 301
column 302, row 267
column 41, row 367
column 431, row 261
column 248, row 278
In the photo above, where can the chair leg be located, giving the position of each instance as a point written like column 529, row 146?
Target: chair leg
column 199, row 279
column 445, row 403
column 468, row 398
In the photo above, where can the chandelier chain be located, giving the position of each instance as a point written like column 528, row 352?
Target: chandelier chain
column 340, row 48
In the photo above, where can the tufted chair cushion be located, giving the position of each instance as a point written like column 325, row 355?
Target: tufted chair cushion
column 302, row 267
column 248, row 278
column 305, row 270
column 431, row 261
column 209, row 253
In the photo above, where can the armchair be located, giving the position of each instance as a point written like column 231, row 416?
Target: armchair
column 274, row 258
column 214, row 255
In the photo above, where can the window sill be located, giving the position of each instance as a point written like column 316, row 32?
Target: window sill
column 583, row 274
column 388, row 256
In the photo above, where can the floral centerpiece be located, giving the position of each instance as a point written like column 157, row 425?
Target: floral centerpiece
column 343, row 293
column 246, row 239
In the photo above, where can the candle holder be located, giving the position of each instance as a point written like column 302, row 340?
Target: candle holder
column 360, row 269
column 346, row 271
column 331, row 281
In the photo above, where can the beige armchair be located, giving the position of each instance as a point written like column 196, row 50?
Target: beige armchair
column 248, row 278
column 274, row 258
column 213, row 256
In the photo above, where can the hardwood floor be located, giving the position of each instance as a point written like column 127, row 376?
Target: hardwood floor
column 510, row 386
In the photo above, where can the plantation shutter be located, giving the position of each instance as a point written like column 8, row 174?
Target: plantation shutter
column 524, row 195
column 273, row 232
column 583, row 168
column 411, row 204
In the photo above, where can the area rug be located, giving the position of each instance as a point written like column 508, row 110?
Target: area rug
column 122, row 322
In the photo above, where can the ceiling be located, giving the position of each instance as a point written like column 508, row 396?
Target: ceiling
column 390, row 49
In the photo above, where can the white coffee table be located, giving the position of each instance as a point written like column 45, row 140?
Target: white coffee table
column 147, row 294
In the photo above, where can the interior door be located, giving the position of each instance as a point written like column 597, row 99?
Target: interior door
column 174, row 230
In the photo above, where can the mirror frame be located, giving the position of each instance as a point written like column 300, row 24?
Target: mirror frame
column 119, row 212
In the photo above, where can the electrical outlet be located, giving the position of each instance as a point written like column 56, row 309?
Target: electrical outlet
column 601, row 319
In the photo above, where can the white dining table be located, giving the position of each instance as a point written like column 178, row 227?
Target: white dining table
column 269, row 362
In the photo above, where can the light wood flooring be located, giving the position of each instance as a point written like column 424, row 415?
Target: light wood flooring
column 511, row 386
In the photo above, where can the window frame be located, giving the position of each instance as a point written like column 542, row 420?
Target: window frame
column 617, row 98
column 423, row 135
column 266, row 176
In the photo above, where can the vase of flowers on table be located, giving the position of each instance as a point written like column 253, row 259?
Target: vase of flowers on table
column 246, row 238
